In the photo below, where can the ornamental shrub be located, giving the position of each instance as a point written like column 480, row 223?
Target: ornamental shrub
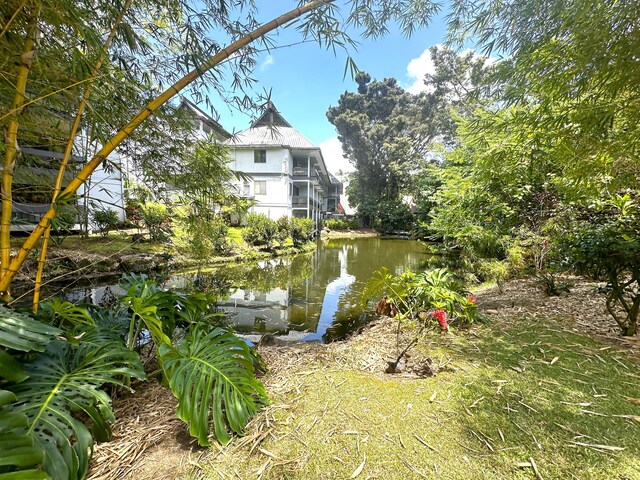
column 105, row 220
column 605, row 246
column 156, row 218
column 423, row 296
column 301, row 230
column 260, row 230
column 284, row 228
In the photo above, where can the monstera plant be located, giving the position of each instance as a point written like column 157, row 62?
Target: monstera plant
column 53, row 369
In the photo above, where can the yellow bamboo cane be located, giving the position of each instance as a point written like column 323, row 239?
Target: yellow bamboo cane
column 147, row 111
column 69, row 147
column 11, row 139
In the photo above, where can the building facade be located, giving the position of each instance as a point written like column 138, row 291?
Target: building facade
column 288, row 173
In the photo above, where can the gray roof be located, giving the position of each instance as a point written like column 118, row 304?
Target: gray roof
column 287, row 137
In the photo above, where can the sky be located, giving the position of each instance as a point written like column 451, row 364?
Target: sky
column 305, row 80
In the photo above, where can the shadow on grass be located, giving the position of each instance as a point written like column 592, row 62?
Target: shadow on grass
column 538, row 391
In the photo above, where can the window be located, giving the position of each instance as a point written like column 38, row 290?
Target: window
column 259, row 156
column 246, row 188
column 260, row 188
column 206, row 128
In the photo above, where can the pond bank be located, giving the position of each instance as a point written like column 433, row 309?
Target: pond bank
column 544, row 383
column 113, row 255
column 117, row 253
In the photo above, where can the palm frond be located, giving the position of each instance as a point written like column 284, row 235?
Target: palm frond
column 211, row 374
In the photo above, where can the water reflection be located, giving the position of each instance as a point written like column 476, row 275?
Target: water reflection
column 308, row 297
column 314, row 296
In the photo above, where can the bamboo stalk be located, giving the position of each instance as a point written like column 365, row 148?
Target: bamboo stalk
column 150, row 109
column 69, row 147
column 11, row 141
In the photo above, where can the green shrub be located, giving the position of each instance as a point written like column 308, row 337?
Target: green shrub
column 260, row 230
column 301, row 230
column 284, row 228
column 206, row 237
column 156, row 219
column 105, row 220
column 338, row 224
column 607, row 248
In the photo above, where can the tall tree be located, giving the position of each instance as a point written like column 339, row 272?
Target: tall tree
column 389, row 134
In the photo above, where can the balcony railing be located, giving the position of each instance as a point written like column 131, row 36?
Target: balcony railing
column 301, row 173
column 301, row 201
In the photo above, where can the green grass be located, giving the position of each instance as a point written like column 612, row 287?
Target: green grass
column 500, row 400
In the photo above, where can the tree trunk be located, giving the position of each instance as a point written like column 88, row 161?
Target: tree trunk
column 164, row 97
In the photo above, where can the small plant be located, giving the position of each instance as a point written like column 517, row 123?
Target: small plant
column 301, row 230
column 417, row 295
column 550, row 285
column 284, row 226
column 156, row 219
column 105, row 220
column 63, row 224
column 421, row 300
column 202, row 237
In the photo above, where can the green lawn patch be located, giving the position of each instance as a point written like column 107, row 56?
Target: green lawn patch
column 511, row 401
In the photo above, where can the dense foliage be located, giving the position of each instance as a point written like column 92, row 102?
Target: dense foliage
column 54, row 367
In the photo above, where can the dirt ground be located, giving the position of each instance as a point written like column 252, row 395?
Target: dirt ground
column 149, row 442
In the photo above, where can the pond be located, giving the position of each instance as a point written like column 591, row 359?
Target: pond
column 313, row 296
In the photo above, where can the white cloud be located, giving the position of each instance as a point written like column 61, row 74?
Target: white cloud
column 268, row 61
column 333, row 157
column 417, row 69
column 420, row 66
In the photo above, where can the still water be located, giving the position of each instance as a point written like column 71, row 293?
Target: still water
column 313, row 296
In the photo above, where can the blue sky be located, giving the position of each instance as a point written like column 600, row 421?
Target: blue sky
column 306, row 80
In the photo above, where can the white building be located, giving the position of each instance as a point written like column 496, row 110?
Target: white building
column 289, row 176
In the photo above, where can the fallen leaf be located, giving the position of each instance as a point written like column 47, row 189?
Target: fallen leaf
column 358, row 470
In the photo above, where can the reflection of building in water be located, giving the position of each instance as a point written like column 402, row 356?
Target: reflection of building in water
column 251, row 310
column 95, row 295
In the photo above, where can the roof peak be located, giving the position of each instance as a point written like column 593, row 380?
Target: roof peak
column 270, row 118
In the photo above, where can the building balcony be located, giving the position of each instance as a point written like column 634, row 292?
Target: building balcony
column 302, row 201
column 302, row 174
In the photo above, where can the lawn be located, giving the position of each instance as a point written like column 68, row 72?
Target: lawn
column 517, row 400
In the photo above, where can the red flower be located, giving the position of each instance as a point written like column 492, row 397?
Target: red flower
column 441, row 316
column 472, row 298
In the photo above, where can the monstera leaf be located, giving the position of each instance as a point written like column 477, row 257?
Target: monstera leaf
column 64, row 385
column 23, row 333
column 19, row 458
column 211, row 374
